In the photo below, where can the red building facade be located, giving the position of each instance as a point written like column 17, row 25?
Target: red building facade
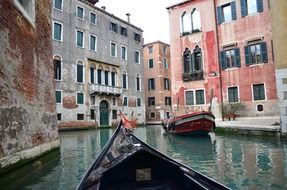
column 225, row 47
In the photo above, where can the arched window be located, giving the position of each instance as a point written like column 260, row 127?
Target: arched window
column 186, row 61
column 125, row 80
column 138, row 82
column 185, row 23
column 195, row 20
column 114, row 77
column 92, row 73
column 80, row 72
column 197, row 65
column 57, row 67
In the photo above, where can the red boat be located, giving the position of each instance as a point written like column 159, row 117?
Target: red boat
column 197, row 123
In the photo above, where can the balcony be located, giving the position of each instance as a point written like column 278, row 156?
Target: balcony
column 196, row 75
column 104, row 89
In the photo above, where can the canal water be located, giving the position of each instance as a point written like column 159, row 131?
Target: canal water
column 239, row 162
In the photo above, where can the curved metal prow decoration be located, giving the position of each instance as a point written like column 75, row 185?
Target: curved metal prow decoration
column 129, row 124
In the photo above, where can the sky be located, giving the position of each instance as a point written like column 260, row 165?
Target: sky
column 149, row 15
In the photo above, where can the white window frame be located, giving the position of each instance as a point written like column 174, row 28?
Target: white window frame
column 127, row 101
column 265, row 93
column 238, row 95
column 61, row 96
column 139, row 61
column 78, row 6
column 96, row 42
column 115, row 49
column 203, row 97
column 77, row 38
column 96, row 18
column 56, row 7
column 61, row 31
column 126, row 53
column 189, row 90
column 80, row 62
column 28, row 14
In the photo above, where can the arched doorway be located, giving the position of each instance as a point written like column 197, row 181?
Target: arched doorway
column 104, row 113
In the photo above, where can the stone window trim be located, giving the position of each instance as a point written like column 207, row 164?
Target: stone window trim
column 61, row 24
column 90, row 41
column 90, row 18
column 195, row 103
column 238, row 93
column 80, row 62
column 137, row 59
column 27, row 10
column 61, row 9
column 77, row 8
column 83, row 40
column 111, row 45
column 265, row 95
column 124, row 56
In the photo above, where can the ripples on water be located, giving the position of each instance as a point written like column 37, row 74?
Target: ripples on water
column 240, row 162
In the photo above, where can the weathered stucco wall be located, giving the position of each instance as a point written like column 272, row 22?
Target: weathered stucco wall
column 27, row 99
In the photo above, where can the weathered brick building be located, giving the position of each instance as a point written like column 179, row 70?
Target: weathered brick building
column 157, row 81
column 225, row 46
column 98, row 65
column 28, row 122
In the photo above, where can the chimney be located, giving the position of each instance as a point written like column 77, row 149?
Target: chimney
column 128, row 17
column 103, row 7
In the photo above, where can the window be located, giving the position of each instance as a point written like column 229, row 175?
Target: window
column 185, row 23
column 165, row 64
column 58, row 4
column 125, row 101
column 150, row 49
column 27, row 8
column 113, row 79
column 139, row 102
column 59, row 116
column 232, row 94
column 164, row 50
column 195, row 21
column 199, row 97
column 92, row 111
column 80, row 39
column 124, row 53
column 150, row 63
column 58, row 96
column 113, row 27
column 230, row 58
column 125, row 81
column 93, row 100
column 226, row 12
column 151, row 84
column 99, row 74
column 124, row 31
column 114, row 101
column 57, row 68
column 137, row 57
column 80, row 98
column 93, row 18
column 57, row 31
column 192, row 65
column 168, row 101
column 258, row 92
column 138, row 83
column 106, row 78
column 93, row 43
column 197, row 66
column 151, row 101
column 251, row 6
column 137, row 37
column 166, row 83
column 80, row 12
column 80, row 72
column 113, row 49
column 152, row 115
column 189, row 98
column 186, row 61
column 114, row 114
column 256, row 53
column 80, row 116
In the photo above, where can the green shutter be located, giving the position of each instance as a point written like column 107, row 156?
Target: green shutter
column 264, row 53
column 259, row 5
column 80, row 98
column 219, row 15
column 58, row 97
column 223, row 60
column 237, row 57
column 247, row 55
column 233, row 10
column 243, row 8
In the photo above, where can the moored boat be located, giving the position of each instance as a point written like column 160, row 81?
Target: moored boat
column 127, row 163
column 197, row 123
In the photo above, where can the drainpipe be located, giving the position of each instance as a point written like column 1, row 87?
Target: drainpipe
column 218, row 59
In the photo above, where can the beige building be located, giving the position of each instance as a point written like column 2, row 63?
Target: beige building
column 279, row 33
column 156, row 57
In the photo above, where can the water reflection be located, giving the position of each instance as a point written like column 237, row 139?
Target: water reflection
column 239, row 162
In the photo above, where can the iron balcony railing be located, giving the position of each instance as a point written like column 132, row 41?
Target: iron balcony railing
column 99, row 88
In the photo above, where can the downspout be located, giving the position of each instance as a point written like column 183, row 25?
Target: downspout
column 218, row 59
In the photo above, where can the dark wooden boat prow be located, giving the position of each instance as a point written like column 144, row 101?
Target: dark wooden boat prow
column 127, row 163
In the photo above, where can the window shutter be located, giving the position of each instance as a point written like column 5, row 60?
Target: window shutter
column 233, row 10
column 92, row 75
column 219, row 15
column 237, row 57
column 223, row 60
column 264, row 53
column 243, row 8
column 259, row 5
column 247, row 55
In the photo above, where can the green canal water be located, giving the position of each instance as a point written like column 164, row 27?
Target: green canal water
column 240, row 162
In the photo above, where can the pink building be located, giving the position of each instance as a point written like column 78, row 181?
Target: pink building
column 224, row 46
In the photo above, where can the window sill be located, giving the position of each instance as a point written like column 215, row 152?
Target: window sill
column 258, row 101
column 80, row 47
column 80, row 18
column 61, row 10
column 60, row 41
column 56, row 80
column 231, row 69
column 256, row 64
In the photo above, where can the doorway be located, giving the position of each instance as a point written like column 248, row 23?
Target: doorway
column 104, row 113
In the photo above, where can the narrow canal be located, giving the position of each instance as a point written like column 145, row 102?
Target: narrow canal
column 240, row 162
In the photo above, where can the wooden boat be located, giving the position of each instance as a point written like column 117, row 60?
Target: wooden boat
column 127, row 163
column 197, row 123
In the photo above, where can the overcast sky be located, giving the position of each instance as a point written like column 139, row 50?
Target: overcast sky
column 149, row 15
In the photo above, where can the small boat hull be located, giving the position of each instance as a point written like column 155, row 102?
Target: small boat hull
column 199, row 123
